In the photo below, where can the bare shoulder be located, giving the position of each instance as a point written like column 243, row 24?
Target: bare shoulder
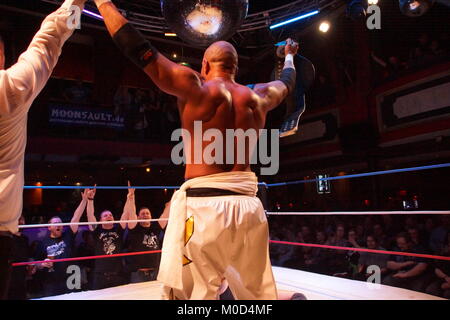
column 189, row 74
column 216, row 90
column 246, row 96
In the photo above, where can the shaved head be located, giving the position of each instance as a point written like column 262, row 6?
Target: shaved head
column 220, row 55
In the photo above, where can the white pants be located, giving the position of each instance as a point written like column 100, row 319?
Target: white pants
column 227, row 238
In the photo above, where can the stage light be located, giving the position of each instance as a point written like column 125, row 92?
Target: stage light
column 356, row 9
column 415, row 8
column 324, row 26
column 174, row 56
column 147, row 169
column 303, row 16
column 170, row 34
column 372, row 1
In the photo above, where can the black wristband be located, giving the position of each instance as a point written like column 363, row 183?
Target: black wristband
column 135, row 46
column 288, row 77
column 92, row 199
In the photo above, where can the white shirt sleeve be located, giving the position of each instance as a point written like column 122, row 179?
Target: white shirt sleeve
column 20, row 84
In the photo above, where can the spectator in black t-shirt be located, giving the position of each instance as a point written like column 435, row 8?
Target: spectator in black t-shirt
column 144, row 236
column 407, row 272
column 58, row 245
column 368, row 259
column 337, row 259
column 315, row 260
column 108, row 240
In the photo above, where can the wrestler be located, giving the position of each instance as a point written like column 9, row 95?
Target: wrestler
column 19, row 86
column 218, row 228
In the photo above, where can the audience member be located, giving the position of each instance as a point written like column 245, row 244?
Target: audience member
column 58, row 245
column 368, row 259
column 144, row 236
column 337, row 259
column 108, row 239
column 406, row 271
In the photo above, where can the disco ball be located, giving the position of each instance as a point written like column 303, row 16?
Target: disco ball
column 202, row 22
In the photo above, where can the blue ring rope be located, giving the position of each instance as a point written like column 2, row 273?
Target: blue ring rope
column 350, row 176
column 360, row 175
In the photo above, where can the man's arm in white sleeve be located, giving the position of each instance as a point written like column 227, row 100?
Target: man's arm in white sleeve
column 22, row 82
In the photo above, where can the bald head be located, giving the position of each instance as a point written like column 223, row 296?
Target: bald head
column 220, row 56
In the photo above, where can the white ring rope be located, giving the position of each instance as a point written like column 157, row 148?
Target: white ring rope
column 352, row 213
column 318, row 213
column 63, row 224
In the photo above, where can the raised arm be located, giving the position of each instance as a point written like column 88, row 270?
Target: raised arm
column 79, row 211
column 273, row 93
column 21, row 83
column 165, row 215
column 170, row 77
column 129, row 210
column 90, row 209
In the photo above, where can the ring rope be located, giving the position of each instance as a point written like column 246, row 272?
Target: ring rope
column 359, row 175
column 408, row 254
column 105, row 256
column 350, row 176
column 355, row 213
column 398, row 253
column 103, row 187
column 64, row 224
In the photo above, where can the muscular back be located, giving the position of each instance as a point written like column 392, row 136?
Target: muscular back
column 221, row 104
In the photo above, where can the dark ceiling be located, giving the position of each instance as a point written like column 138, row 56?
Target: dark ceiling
column 254, row 5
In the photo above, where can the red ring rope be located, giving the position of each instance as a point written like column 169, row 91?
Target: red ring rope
column 19, row 264
column 398, row 253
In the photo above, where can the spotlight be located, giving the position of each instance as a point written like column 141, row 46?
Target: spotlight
column 174, row 55
column 415, row 8
column 147, row 169
column 356, row 10
column 324, row 26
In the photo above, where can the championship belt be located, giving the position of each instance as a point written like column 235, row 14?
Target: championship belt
column 295, row 101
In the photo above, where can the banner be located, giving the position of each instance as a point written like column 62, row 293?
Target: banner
column 61, row 114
